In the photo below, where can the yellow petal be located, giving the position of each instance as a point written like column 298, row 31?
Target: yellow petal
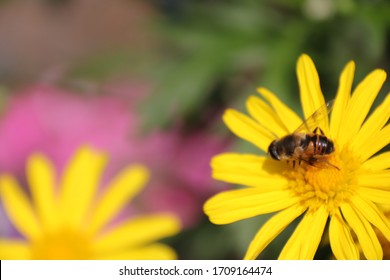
column 248, row 129
column 377, row 179
column 304, row 242
column 18, row 207
column 366, row 235
column 250, row 162
column 341, row 240
column 309, row 86
column 249, row 170
column 123, row 188
column 342, row 98
column 266, row 116
column 263, row 183
column 14, row 250
column 372, row 126
column 271, row 229
column 371, row 213
column 375, row 195
column 41, row 178
column 359, row 106
column 230, row 206
column 289, row 118
column 138, row 232
column 79, row 185
column 151, row 252
column 375, row 143
column 378, row 162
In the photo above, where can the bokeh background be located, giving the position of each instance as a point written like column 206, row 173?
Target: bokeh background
column 148, row 80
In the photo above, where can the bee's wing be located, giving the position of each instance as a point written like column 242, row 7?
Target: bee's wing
column 313, row 121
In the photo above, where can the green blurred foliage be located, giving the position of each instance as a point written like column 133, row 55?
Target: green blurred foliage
column 223, row 50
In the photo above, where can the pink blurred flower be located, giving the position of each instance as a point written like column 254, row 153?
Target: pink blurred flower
column 183, row 178
column 56, row 122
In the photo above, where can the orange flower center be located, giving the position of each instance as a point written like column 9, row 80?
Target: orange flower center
column 329, row 182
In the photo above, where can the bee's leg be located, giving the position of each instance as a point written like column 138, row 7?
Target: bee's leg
column 310, row 161
column 313, row 161
column 328, row 163
column 316, row 129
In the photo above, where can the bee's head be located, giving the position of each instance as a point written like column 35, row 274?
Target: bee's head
column 273, row 151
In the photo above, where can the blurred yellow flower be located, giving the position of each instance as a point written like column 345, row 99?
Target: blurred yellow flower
column 70, row 222
column 348, row 195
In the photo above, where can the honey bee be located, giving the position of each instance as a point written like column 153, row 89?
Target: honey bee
column 311, row 147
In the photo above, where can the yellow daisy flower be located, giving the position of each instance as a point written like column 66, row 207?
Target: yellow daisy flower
column 70, row 222
column 347, row 196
